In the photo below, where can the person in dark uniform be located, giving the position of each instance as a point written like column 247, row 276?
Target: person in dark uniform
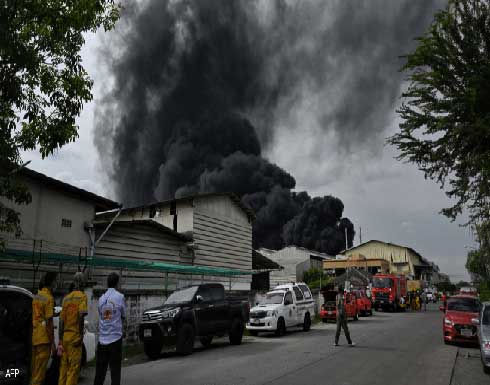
column 341, row 318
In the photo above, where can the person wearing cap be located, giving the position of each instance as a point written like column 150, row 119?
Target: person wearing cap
column 42, row 328
column 112, row 312
column 341, row 318
column 74, row 309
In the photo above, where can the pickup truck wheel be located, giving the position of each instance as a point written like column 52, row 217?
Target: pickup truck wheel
column 281, row 327
column 236, row 331
column 185, row 339
column 307, row 322
column 206, row 341
column 152, row 349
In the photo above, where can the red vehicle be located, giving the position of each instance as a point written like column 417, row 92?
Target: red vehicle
column 458, row 313
column 469, row 291
column 328, row 310
column 387, row 291
column 364, row 304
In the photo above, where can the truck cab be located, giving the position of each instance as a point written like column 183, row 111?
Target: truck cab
column 286, row 306
column 387, row 291
column 364, row 305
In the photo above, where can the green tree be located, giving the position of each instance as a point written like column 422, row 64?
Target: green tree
column 478, row 261
column 43, row 84
column 313, row 277
column 445, row 128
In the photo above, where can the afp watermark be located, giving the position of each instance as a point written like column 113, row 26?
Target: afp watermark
column 9, row 373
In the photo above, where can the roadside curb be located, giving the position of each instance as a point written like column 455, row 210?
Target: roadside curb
column 451, row 378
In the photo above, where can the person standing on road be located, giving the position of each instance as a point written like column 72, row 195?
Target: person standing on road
column 74, row 309
column 341, row 318
column 42, row 328
column 423, row 298
column 112, row 312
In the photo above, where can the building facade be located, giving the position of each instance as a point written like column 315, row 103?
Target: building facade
column 56, row 222
column 213, row 230
column 401, row 259
column 295, row 261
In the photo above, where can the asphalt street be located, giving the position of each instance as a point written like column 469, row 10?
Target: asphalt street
column 401, row 348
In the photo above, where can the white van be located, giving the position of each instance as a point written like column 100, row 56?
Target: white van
column 286, row 306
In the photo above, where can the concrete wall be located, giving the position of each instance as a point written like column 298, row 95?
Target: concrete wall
column 42, row 218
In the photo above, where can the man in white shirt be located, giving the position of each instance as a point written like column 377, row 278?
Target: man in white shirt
column 112, row 312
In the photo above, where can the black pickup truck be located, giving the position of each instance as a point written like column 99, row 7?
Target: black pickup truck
column 201, row 311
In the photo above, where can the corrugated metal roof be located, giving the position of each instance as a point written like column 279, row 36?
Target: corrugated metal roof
column 102, row 204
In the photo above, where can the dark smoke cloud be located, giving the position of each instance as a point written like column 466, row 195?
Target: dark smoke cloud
column 200, row 87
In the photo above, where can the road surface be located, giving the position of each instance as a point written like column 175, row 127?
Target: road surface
column 401, row 348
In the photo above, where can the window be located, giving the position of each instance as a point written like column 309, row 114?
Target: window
column 288, row 298
column 153, row 211
column 274, row 298
column 469, row 305
column 181, row 296
column 306, row 291
column 217, row 293
column 205, row 293
column 486, row 316
column 298, row 294
column 380, row 283
column 65, row 222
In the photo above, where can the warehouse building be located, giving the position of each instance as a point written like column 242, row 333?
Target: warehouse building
column 295, row 261
column 401, row 259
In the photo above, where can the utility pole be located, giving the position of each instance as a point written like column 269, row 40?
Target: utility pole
column 346, row 243
column 360, row 235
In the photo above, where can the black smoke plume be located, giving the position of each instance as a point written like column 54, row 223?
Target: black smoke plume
column 201, row 87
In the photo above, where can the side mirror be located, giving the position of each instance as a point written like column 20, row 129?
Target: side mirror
column 442, row 308
column 199, row 298
column 256, row 304
column 475, row 321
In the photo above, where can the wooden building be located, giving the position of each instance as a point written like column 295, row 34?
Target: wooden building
column 212, row 230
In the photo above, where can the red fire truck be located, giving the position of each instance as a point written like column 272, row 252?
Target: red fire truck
column 387, row 291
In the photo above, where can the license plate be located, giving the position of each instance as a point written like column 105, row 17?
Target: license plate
column 147, row 333
column 466, row 332
column 329, row 312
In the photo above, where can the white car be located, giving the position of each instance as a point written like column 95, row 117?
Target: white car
column 286, row 306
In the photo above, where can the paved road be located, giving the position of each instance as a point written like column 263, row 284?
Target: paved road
column 407, row 347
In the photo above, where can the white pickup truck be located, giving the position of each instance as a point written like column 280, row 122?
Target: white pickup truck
column 286, row 306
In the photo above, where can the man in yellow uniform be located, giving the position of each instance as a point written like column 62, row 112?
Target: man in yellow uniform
column 42, row 328
column 71, row 332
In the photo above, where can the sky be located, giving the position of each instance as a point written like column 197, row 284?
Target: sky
column 385, row 199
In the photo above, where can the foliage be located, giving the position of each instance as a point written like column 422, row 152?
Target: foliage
column 445, row 287
column 445, row 127
column 478, row 261
column 43, row 84
column 461, row 284
column 312, row 278
column 484, row 290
